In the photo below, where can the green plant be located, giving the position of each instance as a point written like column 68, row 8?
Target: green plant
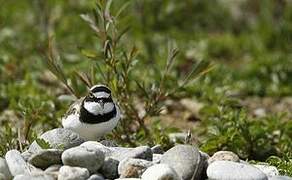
column 230, row 128
column 116, row 64
column 43, row 143
column 284, row 164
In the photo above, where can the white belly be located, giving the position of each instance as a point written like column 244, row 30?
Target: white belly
column 90, row 131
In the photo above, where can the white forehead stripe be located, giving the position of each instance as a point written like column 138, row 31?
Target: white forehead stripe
column 101, row 94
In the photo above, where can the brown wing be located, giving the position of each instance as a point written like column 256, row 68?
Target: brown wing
column 74, row 108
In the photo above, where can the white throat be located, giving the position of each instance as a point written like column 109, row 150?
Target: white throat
column 95, row 108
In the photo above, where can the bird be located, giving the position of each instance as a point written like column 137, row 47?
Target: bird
column 93, row 115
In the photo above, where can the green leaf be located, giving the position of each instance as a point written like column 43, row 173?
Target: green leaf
column 43, row 143
column 124, row 6
column 84, row 78
column 124, row 31
column 89, row 53
column 107, row 7
column 199, row 69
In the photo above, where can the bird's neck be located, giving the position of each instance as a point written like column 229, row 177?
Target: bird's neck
column 90, row 118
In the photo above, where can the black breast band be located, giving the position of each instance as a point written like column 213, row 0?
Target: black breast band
column 90, row 118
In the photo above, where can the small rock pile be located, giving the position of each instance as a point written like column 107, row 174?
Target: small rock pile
column 71, row 158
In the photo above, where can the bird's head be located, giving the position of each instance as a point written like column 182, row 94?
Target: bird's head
column 99, row 100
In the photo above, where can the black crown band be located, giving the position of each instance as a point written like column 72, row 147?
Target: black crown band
column 101, row 89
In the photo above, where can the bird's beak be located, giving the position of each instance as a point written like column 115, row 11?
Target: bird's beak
column 101, row 104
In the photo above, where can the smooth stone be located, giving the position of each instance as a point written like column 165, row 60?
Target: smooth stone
column 280, row 178
column 96, row 177
column 224, row 156
column 141, row 152
column 26, row 155
column 17, row 164
column 157, row 149
column 267, row 169
column 177, row 137
column 160, row 172
column 234, row 170
column 133, row 168
column 53, row 168
column 156, row 158
column 204, row 157
column 120, row 153
column 128, row 179
column 59, row 138
column 92, row 159
column 109, row 168
column 73, row 173
column 93, row 145
column 108, row 143
column 243, row 162
column 33, row 177
column 46, row 158
column 113, row 155
column 4, row 169
column 185, row 160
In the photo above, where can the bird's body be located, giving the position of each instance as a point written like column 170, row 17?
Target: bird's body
column 93, row 115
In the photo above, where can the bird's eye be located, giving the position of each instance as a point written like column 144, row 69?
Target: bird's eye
column 91, row 95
